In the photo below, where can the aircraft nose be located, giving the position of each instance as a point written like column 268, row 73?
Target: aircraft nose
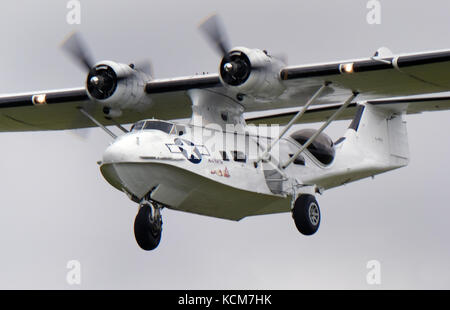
column 123, row 149
column 113, row 154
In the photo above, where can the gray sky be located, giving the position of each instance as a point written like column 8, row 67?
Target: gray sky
column 55, row 205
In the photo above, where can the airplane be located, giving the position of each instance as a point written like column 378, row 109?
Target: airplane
column 231, row 160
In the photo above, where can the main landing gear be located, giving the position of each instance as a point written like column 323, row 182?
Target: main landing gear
column 148, row 222
column 148, row 225
column 306, row 214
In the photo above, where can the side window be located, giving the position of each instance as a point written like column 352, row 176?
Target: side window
column 224, row 156
column 300, row 160
column 239, row 157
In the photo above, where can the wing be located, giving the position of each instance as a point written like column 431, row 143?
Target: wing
column 397, row 75
column 59, row 109
column 410, row 105
column 373, row 78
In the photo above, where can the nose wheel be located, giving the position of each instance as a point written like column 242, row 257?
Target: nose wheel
column 148, row 225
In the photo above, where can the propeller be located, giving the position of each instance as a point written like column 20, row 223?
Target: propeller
column 235, row 66
column 102, row 80
column 214, row 31
column 77, row 49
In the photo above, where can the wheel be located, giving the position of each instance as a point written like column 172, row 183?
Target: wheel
column 306, row 214
column 148, row 227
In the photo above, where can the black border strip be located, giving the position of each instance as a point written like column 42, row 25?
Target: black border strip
column 156, row 87
column 226, row 299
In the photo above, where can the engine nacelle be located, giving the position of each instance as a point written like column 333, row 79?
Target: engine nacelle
column 252, row 72
column 117, row 87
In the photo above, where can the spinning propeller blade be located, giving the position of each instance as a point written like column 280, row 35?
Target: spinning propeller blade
column 77, row 49
column 213, row 29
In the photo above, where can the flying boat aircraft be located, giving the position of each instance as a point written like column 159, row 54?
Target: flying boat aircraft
column 227, row 162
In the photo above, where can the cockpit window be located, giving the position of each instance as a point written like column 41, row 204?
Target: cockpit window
column 159, row 125
column 137, row 126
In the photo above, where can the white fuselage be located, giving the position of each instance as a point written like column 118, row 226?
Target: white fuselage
column 208, row 172
column 219, row 173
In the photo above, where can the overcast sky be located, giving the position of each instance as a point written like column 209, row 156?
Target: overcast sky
column 56, row 207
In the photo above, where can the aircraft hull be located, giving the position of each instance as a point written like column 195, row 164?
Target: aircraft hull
column 183, row 190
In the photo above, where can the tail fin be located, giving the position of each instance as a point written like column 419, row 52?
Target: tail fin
column 378, row 134
column 376, row 142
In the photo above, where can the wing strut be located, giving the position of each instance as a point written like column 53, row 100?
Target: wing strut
column 322, row 128
column 300, row 113
column 92, row 119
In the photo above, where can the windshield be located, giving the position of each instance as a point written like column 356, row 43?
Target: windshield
column 137, row 126
column 158, row 125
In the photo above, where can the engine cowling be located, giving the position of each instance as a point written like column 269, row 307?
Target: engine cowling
column 252, row 72
column 117, row 87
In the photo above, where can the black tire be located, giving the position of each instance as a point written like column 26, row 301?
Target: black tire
column 306, row 214
column 147, row 234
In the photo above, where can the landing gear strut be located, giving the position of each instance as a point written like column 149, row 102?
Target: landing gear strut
column 148, row 225
column 306, row 214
